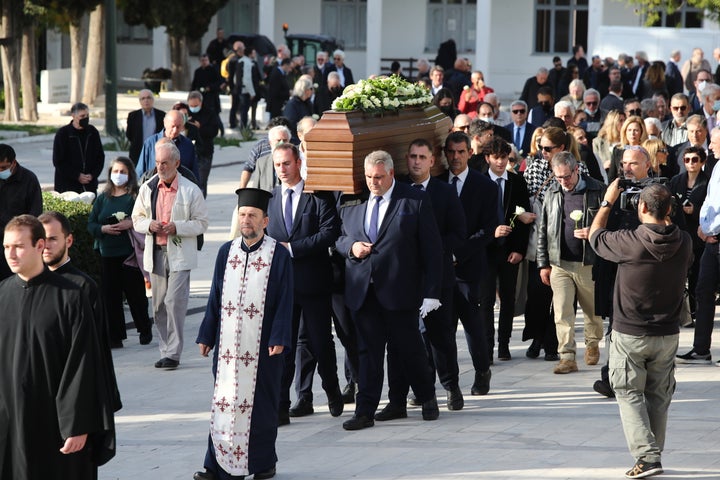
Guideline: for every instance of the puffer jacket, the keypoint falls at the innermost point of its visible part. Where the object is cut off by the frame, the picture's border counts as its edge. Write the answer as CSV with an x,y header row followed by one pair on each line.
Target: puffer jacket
x,y
550,230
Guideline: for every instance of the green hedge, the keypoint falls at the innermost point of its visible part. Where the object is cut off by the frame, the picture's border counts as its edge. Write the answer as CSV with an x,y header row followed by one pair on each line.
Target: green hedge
x,y
82,254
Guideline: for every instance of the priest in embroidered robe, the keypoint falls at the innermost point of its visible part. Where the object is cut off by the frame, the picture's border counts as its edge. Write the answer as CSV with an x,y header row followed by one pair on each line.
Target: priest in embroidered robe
x,y
247,325
54,396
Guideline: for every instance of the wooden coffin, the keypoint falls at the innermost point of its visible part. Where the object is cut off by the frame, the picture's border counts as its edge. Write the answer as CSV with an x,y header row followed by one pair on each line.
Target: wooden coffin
x,y
338,144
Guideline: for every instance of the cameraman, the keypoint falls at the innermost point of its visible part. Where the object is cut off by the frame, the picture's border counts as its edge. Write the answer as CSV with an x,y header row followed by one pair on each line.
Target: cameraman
x,y
647,300
636,168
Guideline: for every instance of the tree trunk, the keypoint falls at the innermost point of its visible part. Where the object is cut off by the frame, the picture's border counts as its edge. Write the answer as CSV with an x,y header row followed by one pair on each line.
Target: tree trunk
x,y
28,73
77,36
180,65
10,18
94,61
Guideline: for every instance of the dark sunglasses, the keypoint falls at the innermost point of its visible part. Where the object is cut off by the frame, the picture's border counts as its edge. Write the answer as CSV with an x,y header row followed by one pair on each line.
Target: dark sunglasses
x,y
637,111
548,149
691,159
591,103
681,108
518,112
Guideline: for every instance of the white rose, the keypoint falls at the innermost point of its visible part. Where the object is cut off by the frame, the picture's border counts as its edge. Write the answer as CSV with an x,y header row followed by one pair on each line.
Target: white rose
x,y
120,215
519,210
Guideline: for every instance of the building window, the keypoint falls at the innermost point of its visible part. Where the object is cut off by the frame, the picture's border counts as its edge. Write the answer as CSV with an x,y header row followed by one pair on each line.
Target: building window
x,y
683,17
132,33
451,19
346,20
560,24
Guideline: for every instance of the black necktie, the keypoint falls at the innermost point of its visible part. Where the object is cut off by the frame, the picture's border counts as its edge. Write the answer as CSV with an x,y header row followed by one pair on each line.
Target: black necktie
x,y
454,184
501,216
419,186
288,212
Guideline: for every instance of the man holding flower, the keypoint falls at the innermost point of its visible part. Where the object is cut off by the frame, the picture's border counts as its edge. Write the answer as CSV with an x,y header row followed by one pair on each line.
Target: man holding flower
x,y
565,258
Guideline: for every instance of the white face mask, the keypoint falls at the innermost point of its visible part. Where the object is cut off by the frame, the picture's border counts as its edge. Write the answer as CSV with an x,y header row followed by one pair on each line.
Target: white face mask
x,y
486,119
119,179
701,86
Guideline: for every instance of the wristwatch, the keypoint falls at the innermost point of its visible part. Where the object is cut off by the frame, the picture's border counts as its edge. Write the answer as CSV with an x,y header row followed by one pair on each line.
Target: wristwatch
x,y
605,203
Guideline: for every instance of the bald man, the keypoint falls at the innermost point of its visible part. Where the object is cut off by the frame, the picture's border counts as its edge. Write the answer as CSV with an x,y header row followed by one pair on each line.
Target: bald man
x,y
173,123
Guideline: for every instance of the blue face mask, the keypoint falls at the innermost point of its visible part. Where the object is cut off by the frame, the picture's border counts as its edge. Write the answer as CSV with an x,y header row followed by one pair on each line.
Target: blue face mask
x,y
194,109
5,174
716,106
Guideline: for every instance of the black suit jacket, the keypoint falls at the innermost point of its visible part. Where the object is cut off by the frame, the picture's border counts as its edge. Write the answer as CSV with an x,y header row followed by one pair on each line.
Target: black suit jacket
x,y
278,92
450,219
330,67
479,199
316,226
134,131
527,138
515,195
406,260
673,79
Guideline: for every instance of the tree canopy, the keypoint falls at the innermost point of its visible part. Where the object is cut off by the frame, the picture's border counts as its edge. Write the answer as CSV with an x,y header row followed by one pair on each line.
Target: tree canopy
x,y
652,9
191,20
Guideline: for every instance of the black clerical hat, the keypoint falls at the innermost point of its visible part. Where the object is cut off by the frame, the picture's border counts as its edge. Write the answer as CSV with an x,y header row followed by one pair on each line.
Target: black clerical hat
x,y
253,197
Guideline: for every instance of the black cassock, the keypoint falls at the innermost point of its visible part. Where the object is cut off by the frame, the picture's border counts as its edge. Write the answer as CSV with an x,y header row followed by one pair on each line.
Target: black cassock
x,y
53,381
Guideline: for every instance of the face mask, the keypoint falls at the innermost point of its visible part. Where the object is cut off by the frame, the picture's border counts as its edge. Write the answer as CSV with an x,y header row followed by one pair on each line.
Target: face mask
x,y
194,109
701,86
486,119
119,179
5,174
716,106
84,122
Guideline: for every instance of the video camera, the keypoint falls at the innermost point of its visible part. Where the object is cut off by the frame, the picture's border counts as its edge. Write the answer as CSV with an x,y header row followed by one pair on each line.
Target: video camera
x,y
630,196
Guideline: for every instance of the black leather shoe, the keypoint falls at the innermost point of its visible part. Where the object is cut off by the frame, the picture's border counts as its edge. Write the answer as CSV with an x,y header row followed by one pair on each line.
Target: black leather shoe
x,y
348,393
283,418
603,388
205,476
390,412
504,352
455,399
167,363
145,337
265,475
533,350
552,357
358,423
482,383
336,404
301,408
430,410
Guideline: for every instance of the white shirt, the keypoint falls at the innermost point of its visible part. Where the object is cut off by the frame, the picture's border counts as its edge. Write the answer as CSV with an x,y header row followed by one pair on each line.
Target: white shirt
x,y
461,179
383,207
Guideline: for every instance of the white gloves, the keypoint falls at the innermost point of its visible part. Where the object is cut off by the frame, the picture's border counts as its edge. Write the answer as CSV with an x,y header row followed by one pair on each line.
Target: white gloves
x,y
428,305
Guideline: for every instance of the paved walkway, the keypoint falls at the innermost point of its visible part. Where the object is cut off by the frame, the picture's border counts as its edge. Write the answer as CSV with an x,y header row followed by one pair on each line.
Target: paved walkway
x,y
533,424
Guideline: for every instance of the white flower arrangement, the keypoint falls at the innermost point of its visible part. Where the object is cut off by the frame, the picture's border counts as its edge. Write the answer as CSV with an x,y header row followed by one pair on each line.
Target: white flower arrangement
x,y
576,215
382,94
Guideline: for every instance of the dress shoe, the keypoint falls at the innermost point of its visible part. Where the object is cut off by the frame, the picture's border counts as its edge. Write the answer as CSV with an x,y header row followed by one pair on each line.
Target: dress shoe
x,y
413,401
205,476
482,383
265,475
114,344
592,355
455,399
358,422
145,337
390,412
283,418
167,363
565,366
533,350
348,393
552,357
430,410
301,408
336,404
504,352
603,388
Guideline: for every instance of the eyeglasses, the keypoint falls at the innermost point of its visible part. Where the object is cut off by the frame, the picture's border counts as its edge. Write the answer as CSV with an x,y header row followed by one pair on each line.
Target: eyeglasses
x,y
681,108
591,103
636,111
548,148
146,98
565,177
691,159
519,111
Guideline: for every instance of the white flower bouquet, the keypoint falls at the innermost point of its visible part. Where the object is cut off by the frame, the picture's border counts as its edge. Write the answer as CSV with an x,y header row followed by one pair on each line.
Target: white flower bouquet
x,y
383,94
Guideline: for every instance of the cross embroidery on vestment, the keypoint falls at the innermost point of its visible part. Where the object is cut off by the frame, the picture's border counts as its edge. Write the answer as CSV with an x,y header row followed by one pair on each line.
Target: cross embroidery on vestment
x,y
259,264
247,359
251,311
234,262
222,404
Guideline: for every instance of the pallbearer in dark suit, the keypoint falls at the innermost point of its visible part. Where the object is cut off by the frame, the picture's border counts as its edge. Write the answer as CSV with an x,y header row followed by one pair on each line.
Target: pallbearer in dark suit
x,y
307,225
479,198
393,268
507,249
438,325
